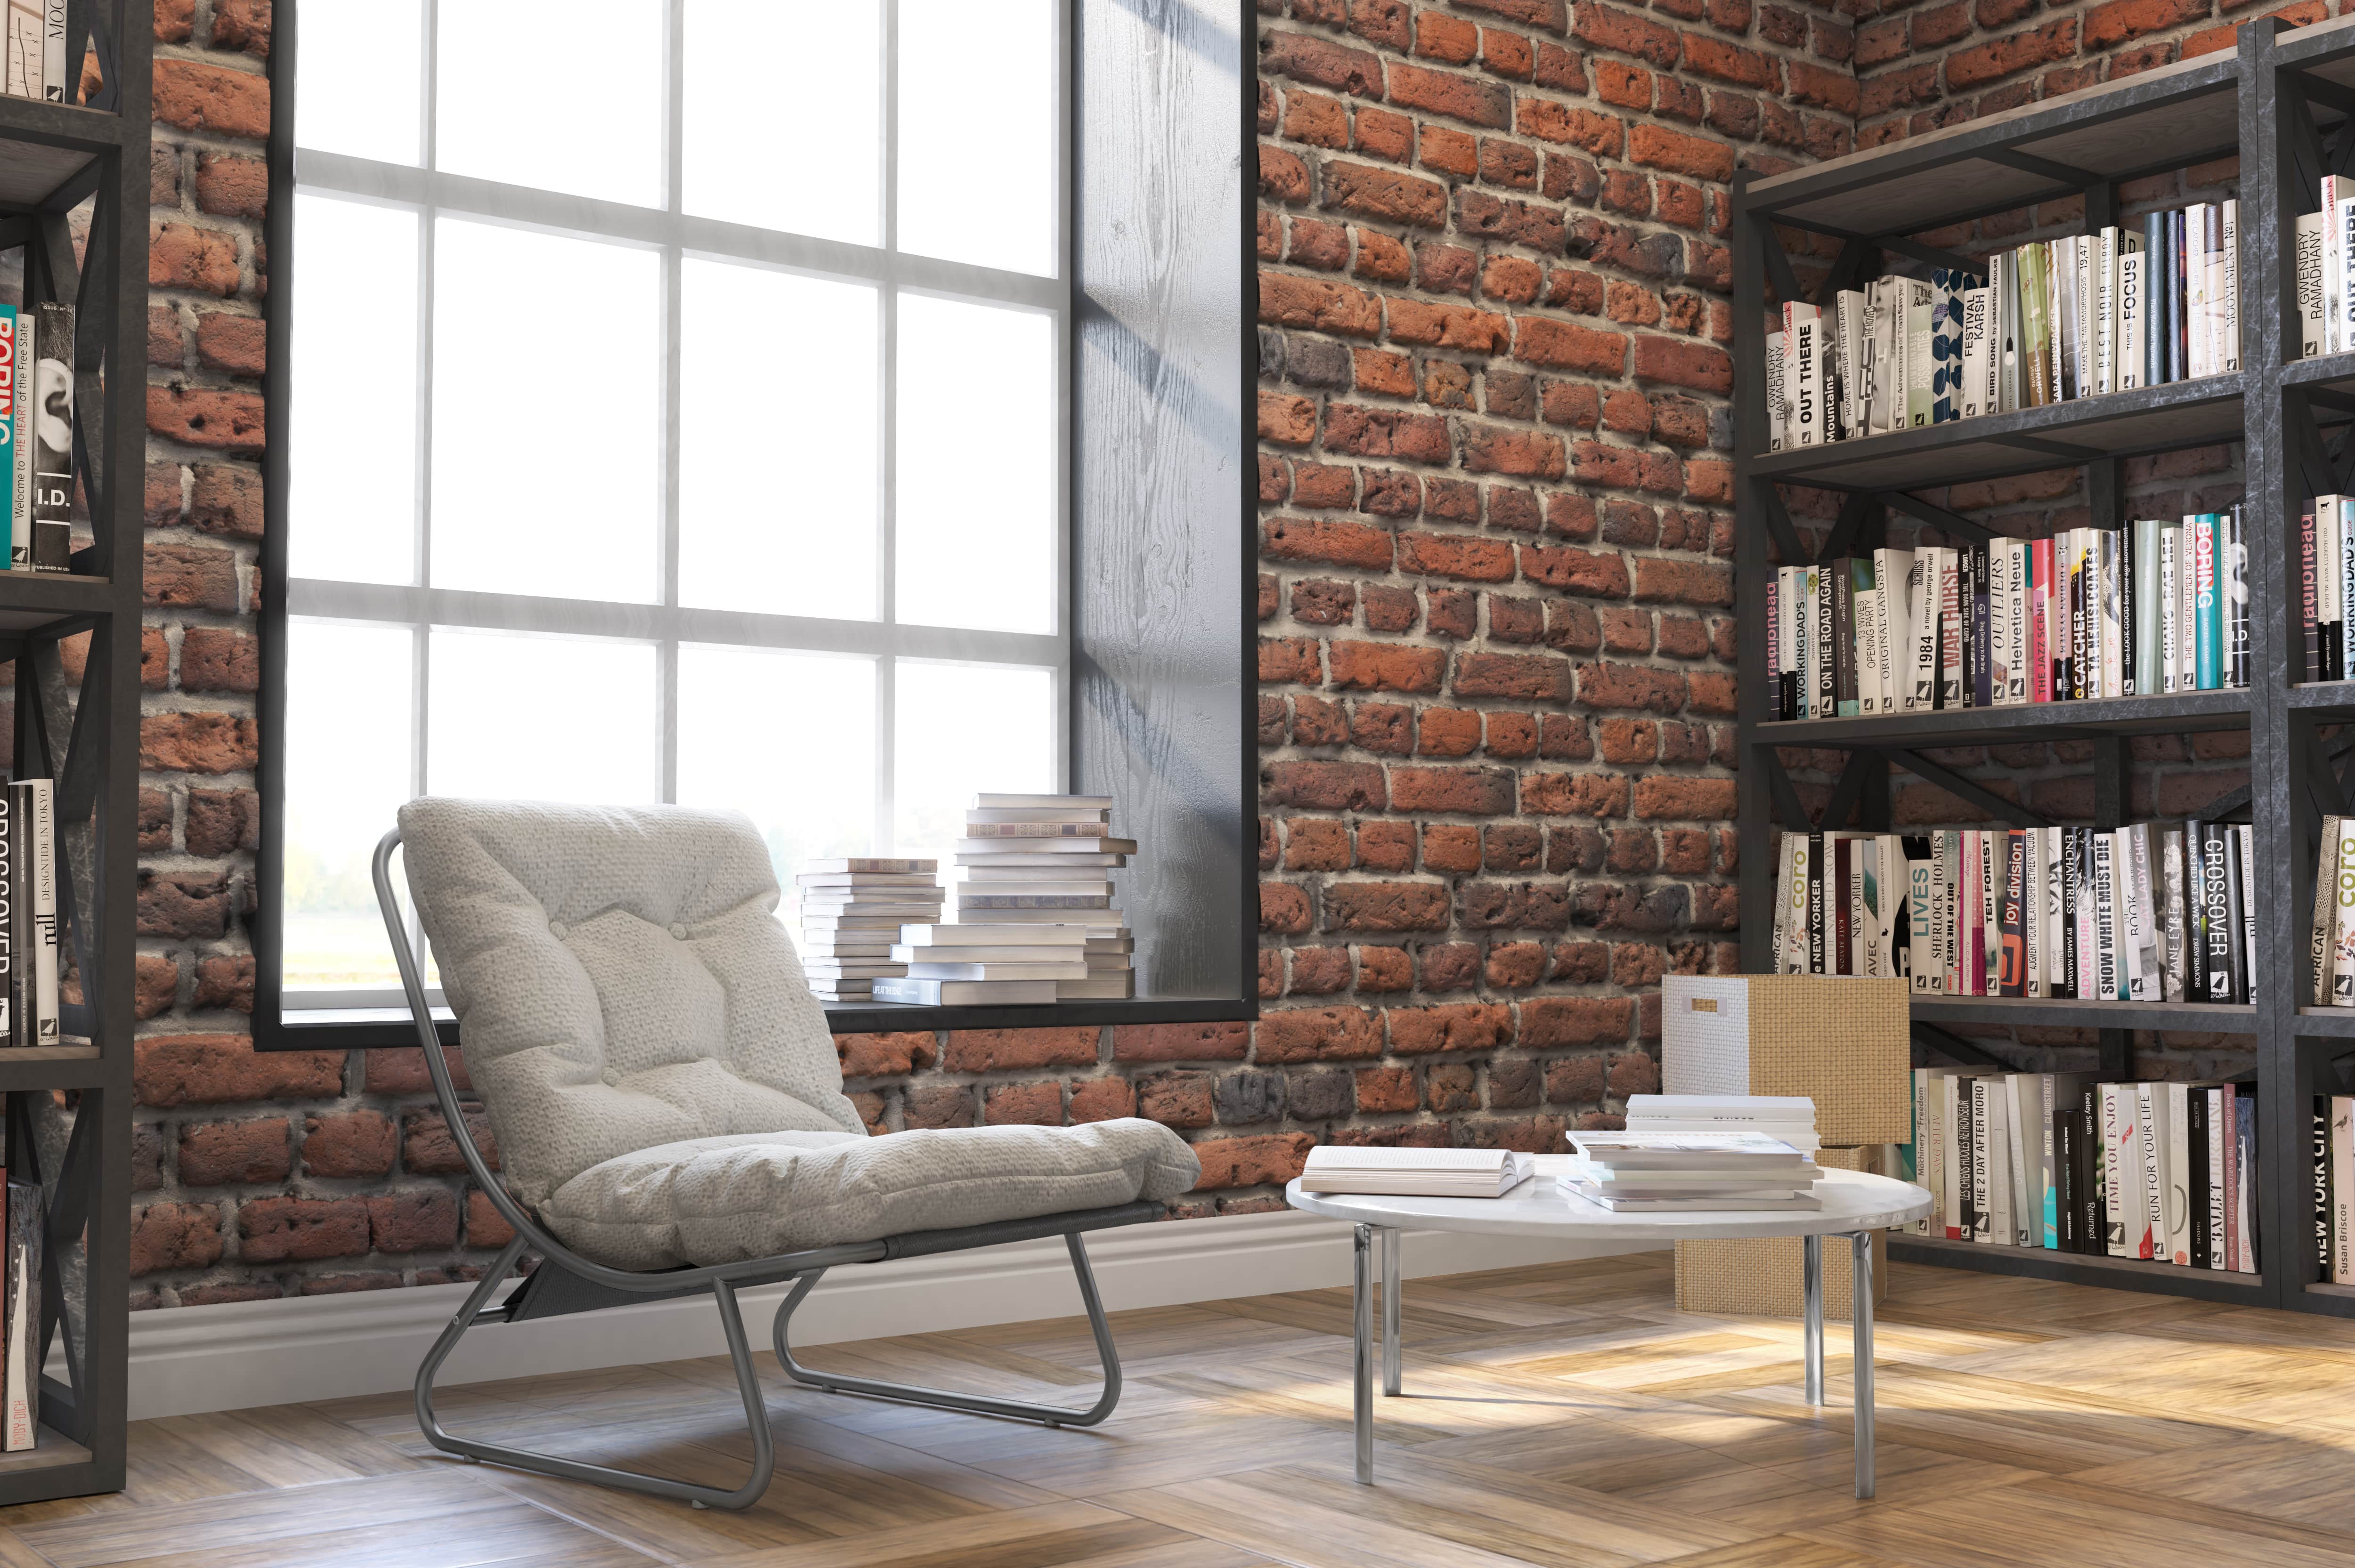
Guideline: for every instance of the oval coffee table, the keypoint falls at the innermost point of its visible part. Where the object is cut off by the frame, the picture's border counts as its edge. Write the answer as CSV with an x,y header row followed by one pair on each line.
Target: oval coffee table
x,y
1854,1205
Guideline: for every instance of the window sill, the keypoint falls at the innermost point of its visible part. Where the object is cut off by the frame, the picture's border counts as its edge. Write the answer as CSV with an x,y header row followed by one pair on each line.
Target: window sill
x,y
378,1028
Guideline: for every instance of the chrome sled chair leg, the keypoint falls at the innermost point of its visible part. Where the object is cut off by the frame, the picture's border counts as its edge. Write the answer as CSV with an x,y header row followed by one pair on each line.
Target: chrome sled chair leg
x,y
740,1352
946,1399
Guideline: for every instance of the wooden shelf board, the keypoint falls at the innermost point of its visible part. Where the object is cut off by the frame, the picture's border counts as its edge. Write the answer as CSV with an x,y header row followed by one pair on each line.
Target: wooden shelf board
x,y
2010,1011
2121,424
50,1449
2164,119
2167,713
2079,1268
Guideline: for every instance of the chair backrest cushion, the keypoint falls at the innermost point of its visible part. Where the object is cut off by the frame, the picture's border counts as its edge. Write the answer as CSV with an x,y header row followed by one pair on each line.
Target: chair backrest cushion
x,y
620,978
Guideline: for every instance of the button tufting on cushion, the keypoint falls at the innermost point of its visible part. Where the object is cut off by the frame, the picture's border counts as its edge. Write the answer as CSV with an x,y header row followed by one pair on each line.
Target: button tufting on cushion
x,y
734,1140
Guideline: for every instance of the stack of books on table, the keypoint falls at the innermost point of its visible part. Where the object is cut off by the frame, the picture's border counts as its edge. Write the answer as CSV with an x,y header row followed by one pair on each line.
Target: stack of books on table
x,y
1416,1172
1789,1118
1653,1171
852,911
1034,920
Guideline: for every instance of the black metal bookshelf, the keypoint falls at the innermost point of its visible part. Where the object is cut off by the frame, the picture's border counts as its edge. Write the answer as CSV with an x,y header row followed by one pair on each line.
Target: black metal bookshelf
x,y
69,1106
2284,102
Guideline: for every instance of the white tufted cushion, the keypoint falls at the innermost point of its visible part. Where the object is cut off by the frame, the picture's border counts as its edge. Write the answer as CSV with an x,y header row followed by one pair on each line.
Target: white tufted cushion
x,y
663,1086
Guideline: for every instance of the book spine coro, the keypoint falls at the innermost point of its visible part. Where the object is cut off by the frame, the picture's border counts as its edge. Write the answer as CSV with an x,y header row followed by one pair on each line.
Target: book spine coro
x,y
51,448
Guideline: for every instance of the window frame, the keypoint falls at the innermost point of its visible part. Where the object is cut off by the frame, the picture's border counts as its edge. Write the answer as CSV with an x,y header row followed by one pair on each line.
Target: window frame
x,y
680,237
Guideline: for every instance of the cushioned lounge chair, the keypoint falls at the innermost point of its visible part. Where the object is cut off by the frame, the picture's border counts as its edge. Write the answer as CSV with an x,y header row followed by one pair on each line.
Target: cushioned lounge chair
x,y
668,1103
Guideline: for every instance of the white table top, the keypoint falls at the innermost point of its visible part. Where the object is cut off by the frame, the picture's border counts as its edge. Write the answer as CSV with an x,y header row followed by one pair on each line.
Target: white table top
x,y
1852,1201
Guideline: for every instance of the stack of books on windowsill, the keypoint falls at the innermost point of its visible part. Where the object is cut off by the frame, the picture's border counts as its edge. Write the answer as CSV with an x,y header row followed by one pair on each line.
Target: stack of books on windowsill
x,y
1651,1172
852,912
1033,920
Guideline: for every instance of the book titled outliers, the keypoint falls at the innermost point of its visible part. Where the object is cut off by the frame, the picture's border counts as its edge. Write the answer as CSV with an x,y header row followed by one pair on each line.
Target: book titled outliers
x,y
37,418
2089,613
2150,912
2051,321
2164,1171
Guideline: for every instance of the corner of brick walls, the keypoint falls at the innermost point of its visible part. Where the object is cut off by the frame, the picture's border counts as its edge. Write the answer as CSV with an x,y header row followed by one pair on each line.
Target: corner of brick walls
x,y
1497,660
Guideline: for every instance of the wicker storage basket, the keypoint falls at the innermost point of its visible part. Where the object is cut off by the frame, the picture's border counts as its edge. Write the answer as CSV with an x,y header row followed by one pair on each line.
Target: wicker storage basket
x,y
1843,1043
1764,1278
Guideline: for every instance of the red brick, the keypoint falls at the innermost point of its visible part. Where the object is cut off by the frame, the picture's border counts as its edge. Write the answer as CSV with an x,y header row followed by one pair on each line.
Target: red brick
x,y
1252,1162
1607,27
1569,345
1023,1105
402,1072
1466,557
991,1050
1478,1026
1386,906
1101,1099
348,1143
1448,326
202,261
1180,1041
277,1230
210,1069
222,1153
1386,194
1992,61
175,1235
1332,540
206,416
1677,152
1706,55
485,1225
428,1149
1471,792
419,1220
1575,1020
1318,303
1315,1034
1686,800
231,186
1322,63
197,743
1528,676
890,1054
2121,21
1459,97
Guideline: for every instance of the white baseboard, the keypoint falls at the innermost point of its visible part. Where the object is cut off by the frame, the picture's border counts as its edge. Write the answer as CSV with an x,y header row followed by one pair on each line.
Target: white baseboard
x,y
237,1355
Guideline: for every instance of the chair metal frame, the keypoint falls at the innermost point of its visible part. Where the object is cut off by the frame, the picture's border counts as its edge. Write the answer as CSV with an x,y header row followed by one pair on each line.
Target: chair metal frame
x,y
565,1282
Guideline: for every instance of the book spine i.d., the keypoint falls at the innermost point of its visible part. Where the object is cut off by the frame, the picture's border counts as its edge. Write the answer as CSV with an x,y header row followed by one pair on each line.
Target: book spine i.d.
x,y
51,448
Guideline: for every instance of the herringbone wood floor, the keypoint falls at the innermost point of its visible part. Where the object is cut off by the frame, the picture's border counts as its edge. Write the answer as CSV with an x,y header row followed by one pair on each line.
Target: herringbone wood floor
x,y
1566,1415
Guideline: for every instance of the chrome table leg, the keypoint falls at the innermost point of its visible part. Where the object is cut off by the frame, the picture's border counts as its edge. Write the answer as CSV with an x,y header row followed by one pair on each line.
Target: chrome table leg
x,y
1812,1273
1861,1355
1363,1321
1391,1305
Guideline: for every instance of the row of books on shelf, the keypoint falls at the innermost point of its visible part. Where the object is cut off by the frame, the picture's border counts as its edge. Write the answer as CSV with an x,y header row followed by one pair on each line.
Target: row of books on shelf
x,y
37,418
2150,912
35,61
1033,920
2051,321
2058,1161
2089,613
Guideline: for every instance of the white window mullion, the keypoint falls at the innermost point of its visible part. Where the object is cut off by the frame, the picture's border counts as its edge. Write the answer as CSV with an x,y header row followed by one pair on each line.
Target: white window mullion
x,y
887,555
674,197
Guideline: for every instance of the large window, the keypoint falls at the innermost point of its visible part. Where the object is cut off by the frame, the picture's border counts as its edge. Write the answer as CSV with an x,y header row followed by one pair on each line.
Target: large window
x,y
677,411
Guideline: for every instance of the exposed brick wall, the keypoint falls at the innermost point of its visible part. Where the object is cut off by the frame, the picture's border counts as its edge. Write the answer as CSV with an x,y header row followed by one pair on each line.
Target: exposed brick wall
x,y
1496,659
